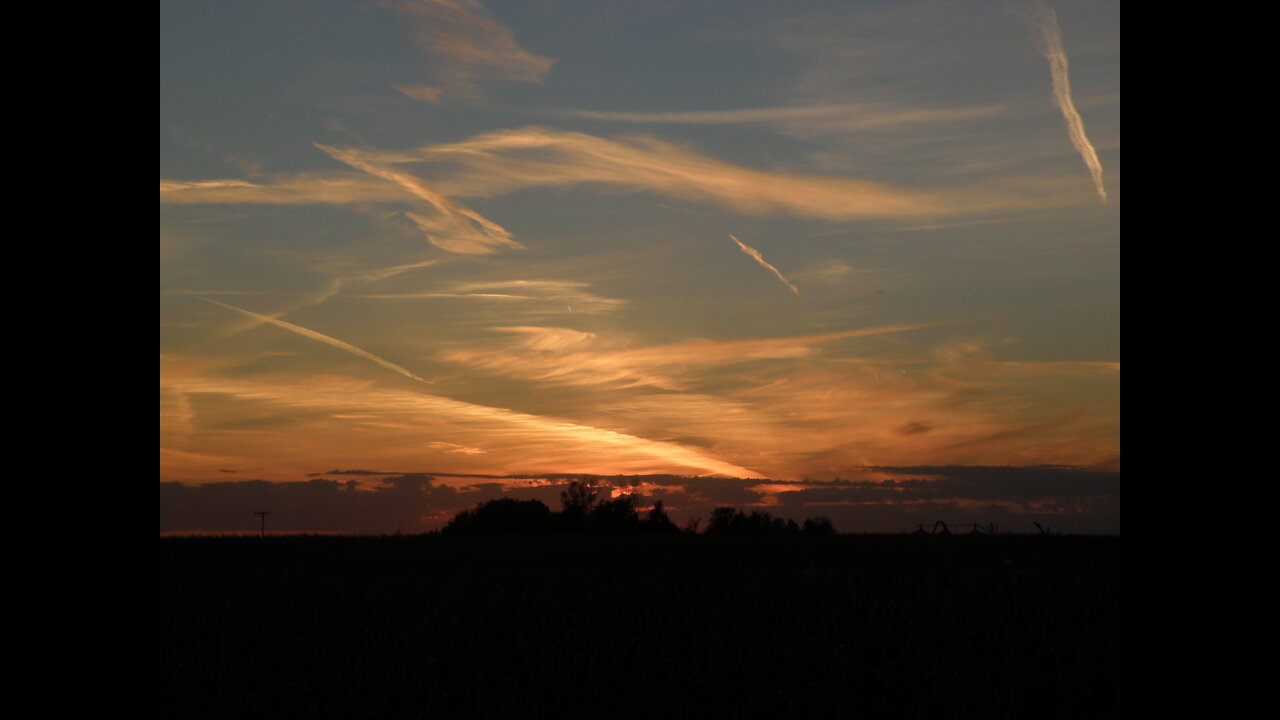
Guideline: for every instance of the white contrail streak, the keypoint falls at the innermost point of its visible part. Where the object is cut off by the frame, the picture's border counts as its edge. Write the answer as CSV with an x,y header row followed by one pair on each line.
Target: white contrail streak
x,y
755,254
322,338
1045,21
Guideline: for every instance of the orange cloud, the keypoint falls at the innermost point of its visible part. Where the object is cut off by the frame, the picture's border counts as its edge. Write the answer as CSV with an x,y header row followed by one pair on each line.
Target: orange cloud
x,y
472,44
304,189
823,416
421,93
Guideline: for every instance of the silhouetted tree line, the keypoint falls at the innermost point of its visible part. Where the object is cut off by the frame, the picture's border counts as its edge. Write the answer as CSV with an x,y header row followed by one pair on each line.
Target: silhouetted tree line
x,y
582,510
728,521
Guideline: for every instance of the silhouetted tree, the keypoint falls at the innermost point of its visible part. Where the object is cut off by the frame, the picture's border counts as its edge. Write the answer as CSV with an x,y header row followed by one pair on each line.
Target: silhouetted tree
x,y
728,521
615,516
657,520
576,504
722,520
819,526
583,511
503,515
579,496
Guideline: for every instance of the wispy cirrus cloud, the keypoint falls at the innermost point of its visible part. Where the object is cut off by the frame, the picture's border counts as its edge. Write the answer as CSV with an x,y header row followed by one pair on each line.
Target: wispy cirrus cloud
x,y
506,161
755,255
785,408
449,225
509,160
302,189
446,223
829,272
471,43
1045,21
819,413
806,120
534,296
541,354
325,415
421,93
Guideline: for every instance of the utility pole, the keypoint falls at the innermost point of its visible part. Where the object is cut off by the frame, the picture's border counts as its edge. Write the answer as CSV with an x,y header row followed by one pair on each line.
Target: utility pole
x,y
263,515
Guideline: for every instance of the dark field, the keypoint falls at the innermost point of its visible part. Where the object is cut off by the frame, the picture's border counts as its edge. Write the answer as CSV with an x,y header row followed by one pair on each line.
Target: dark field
x,y
680,626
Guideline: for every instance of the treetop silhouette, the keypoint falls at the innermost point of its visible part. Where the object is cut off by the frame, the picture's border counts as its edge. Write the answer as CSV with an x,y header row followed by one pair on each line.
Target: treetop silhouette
x,y
582,510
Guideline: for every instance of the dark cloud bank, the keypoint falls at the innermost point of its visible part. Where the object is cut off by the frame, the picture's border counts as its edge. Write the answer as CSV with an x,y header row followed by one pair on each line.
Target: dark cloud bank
x,y
1067,499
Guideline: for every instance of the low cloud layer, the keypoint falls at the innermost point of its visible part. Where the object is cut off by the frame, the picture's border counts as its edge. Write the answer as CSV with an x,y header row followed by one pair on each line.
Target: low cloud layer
x,y
1065,499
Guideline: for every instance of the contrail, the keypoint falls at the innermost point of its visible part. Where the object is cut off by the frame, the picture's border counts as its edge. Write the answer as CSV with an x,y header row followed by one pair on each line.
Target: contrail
x,y
322,338
336,285
1045,22
760,259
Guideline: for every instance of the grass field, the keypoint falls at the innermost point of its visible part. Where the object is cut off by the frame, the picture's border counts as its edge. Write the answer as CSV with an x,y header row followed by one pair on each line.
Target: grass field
x,y
668,626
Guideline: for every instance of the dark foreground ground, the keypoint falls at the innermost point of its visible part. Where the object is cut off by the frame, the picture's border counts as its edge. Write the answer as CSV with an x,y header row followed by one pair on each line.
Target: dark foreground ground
x,y
869,626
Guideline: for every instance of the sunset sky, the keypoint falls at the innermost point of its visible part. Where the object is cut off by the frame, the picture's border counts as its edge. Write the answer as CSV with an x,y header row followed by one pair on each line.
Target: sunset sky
x,y
461,249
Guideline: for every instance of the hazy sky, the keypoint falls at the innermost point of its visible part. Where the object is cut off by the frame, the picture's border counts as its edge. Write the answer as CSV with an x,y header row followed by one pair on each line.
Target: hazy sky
x,y
783,240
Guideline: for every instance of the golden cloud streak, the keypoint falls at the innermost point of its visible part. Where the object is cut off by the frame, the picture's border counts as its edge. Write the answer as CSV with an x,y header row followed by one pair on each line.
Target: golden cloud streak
x,y
452,226
304,189
509,160
512,441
